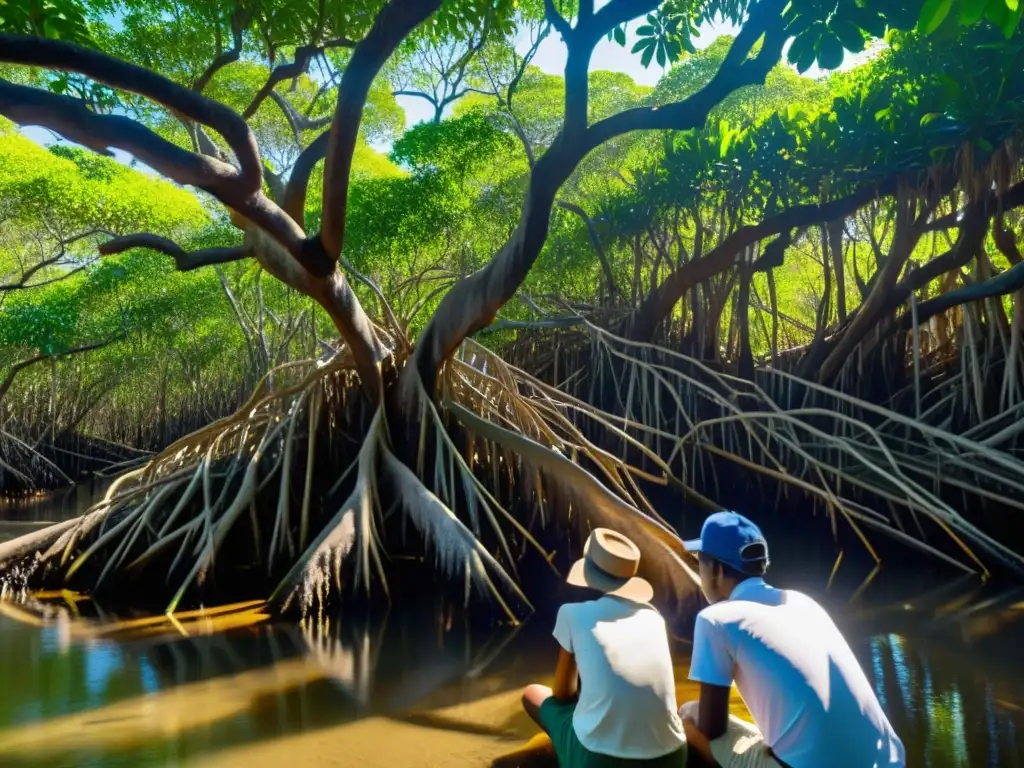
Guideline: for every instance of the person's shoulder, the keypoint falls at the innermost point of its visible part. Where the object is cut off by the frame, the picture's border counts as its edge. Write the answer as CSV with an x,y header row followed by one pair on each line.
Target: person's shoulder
x,y
716,614
798,599
578,608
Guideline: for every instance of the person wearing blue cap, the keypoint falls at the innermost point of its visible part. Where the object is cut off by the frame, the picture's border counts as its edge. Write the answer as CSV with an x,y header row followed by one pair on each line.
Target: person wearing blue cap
x,y
811,701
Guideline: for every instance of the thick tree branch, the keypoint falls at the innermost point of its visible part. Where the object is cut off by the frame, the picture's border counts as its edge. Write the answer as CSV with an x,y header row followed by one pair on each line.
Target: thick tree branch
x,y
475,300
735,72
303,55
298,181
56,54
239,21
184,260
73,120
528,57
1010,281
417,95
392,25
971,239
556,20
1006,241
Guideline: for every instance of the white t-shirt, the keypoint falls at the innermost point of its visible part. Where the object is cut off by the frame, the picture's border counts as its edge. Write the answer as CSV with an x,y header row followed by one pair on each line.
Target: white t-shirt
x,y
798,677
627,703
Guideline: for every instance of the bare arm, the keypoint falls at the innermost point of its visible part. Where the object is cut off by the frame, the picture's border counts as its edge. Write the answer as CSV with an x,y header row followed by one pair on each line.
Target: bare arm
x,y
699,746
713,717
565,686
714,710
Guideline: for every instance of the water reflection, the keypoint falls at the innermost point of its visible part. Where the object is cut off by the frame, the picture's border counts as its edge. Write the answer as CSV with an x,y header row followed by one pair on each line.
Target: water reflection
x,y
156,696
147,691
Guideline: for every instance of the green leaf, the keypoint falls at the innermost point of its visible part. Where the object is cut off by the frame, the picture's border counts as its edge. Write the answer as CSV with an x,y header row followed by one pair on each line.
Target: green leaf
x,y
929,118
849,35
1013,20
866,19
620,35
830,51
933,13
971,11
642,44
801,51
1013,5
645,60
661,53
727,138
645,31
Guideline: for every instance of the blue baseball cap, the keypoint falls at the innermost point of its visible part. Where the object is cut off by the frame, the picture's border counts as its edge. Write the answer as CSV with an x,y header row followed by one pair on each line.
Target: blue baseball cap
x,y
727,537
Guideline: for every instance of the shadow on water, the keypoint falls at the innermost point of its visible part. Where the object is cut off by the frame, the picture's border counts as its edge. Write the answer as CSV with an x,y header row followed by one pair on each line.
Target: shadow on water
x,y
421,686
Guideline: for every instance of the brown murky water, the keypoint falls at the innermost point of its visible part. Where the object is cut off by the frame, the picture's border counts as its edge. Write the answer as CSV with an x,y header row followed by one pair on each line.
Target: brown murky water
x,y
226,686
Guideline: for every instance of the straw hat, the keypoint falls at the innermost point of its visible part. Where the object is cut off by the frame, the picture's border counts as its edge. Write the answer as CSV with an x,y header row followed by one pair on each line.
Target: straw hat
x,y
609,564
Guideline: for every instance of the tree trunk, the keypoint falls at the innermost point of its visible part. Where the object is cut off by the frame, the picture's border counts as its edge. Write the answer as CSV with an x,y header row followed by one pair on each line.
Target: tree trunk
x,y
835,243
746,355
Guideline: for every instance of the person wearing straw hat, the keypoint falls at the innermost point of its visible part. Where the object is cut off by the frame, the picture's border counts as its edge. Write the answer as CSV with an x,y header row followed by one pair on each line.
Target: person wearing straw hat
x,y
798,677
613,701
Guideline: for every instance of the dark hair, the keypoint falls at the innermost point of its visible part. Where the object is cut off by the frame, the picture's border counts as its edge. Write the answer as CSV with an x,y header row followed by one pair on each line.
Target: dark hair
x,y
756,566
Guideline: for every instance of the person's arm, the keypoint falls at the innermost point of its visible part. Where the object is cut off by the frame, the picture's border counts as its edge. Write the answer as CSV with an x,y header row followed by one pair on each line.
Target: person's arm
x,y
700,755
565,687
711,666
713,715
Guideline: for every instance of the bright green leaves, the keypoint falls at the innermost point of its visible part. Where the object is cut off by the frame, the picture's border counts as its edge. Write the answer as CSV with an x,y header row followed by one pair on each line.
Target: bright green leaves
x,y
824,42
933,13
456,146
1004,14
59,19
67,192
663,37
971,11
